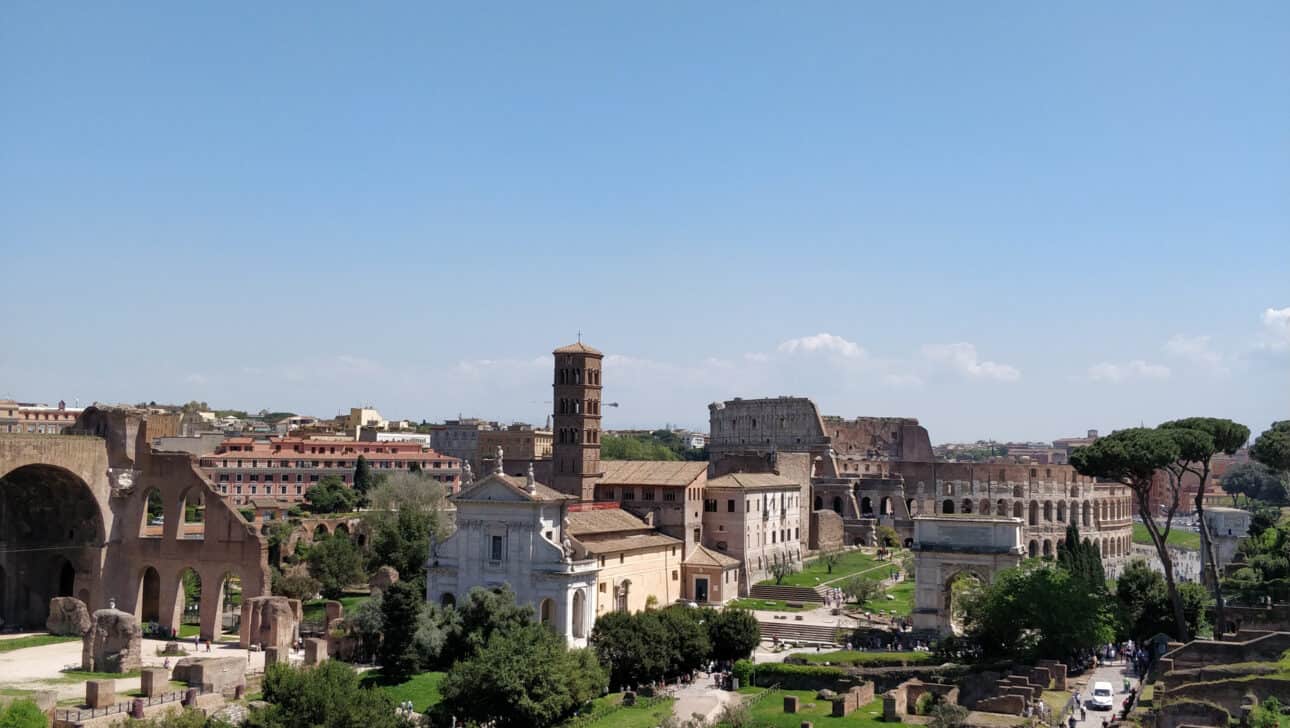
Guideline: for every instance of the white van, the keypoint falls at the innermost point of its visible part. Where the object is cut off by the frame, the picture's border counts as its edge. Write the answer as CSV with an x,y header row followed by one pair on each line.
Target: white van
x,y
1103,696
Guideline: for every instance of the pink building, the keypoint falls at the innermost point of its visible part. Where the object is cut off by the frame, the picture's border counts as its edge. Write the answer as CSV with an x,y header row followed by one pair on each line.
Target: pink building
x,y
287,467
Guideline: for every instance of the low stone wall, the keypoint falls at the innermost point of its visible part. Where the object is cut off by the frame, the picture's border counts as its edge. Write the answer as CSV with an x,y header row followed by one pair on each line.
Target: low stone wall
x,y
847,702
1228,694
1199,653
1191,713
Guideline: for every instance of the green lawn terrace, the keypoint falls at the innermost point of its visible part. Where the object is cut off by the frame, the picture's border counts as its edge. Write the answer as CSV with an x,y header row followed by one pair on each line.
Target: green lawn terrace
x,y
814,572
1189,540
767,708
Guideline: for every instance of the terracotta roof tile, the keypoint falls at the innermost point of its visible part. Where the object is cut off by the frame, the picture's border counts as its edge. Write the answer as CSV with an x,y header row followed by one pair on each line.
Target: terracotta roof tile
x,y
704,556
628,543
578,348
751,480
651,472
605,520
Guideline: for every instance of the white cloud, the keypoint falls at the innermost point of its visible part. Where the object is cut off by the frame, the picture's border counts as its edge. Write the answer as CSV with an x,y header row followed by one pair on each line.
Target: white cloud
x,y
1136,369
1196,350
962,357
827,343
1276,328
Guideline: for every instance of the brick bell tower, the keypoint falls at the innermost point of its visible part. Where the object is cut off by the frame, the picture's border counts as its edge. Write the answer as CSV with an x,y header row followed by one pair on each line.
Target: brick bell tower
x,y
576,459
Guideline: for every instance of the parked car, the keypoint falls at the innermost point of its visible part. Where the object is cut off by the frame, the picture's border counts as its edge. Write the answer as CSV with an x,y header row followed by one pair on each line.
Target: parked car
x,y
1103,696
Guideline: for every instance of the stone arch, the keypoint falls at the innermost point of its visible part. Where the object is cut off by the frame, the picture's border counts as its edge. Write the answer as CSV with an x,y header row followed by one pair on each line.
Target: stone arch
x,y
911,507
1088,514
1018,491
546,611
320,532
147,607
1061,511
947,506
1048,547
53,531
1048,511
579,614
967,506
152,518
187,599
866,506
956,584
447,599
229,603
192,513
885,508
1018,510
984,507
1034,513
341,530
1001,508
819,503
837,504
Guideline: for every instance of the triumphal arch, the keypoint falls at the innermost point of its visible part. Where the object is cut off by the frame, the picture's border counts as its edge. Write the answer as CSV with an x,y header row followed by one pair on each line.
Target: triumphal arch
x,y
952,548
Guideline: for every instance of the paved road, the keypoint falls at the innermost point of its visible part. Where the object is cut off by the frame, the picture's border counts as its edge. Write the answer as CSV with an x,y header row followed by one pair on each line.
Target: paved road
x,y
1113,674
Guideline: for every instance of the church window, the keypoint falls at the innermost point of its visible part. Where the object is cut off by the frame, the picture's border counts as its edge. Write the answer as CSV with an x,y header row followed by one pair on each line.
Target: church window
x,y
496,552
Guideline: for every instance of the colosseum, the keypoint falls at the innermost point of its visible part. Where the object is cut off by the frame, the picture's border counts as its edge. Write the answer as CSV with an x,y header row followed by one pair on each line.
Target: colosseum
x,y
876,471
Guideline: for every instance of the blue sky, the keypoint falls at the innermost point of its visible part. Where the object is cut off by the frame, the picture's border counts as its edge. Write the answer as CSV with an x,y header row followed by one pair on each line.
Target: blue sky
x,y
1008,220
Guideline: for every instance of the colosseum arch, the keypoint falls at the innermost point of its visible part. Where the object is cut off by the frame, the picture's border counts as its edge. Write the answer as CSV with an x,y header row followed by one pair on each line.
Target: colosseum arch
x,y
1034,513
967,506
947,506
950,549
1048,511
1001,507
1088,514
1061,511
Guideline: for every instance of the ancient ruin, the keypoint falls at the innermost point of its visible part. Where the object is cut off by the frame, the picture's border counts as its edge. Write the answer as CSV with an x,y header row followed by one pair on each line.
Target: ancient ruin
x,y
949,548
270,622
98,515
113,643
67,616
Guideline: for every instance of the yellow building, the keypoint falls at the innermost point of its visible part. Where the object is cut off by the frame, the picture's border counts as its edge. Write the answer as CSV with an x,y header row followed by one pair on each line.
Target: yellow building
x,y
635,561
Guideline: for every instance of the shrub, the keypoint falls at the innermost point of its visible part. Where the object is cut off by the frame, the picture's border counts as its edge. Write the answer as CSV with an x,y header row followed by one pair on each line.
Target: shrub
x,y
790,677
22,714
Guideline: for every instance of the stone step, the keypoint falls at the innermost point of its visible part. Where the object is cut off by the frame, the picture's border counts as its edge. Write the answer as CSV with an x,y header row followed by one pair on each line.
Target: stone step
x,y
786,593
790,631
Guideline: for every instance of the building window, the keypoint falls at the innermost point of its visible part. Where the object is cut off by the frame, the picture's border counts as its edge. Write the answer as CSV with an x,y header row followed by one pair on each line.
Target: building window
x,y
709,505
669,495
629,494
730,506
495,553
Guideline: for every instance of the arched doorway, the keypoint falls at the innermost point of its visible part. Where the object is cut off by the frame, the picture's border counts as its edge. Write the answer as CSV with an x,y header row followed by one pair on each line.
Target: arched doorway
x,y
53,530
546,611
230,604
448,599
819,503
967,506
188,603
1001,507
884,507
1033,550
320,532
866,506
192,506
960,589
152,521
837,504
947,506
1018,510
1034,513
148,606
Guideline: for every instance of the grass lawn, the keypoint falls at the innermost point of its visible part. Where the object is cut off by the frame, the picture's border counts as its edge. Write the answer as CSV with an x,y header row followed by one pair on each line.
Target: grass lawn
x,y
422,690
75,676
1179,539
1057,700
188,630
35,640
768,710
814,572
855,657
316,611
901,605
604,715
772,605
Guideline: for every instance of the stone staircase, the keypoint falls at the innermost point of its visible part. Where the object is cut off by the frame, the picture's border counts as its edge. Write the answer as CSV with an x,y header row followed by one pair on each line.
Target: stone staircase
x,y
791,631
786,593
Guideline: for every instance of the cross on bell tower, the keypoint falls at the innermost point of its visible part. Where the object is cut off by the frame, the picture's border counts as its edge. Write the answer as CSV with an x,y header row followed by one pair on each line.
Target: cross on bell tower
x,y
576,404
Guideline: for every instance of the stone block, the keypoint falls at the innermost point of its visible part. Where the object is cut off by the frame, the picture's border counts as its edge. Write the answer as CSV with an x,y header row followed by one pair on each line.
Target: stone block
x,y
807,724
334,611
136,708
891,708
154,681
113,643
268,622
382,579
68,616
790,703
214,674
315,650
100,693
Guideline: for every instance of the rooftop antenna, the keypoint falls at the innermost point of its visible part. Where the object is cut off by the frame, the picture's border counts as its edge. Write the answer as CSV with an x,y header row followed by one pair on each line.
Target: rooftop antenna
x,y
579,336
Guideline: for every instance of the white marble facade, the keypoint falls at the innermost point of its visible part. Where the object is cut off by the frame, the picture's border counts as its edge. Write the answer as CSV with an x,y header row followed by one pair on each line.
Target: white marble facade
x,y
510,530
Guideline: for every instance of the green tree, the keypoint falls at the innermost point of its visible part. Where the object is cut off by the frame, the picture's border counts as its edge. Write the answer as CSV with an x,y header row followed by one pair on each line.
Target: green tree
x,y
860,590
295,585
367,624
1132,457
830,559
330,495
483,612
279,535
1037,610
405,514
1255,481
632,647
1144,606
1199,439
687,639
947,715
401,611
888,537
22,714
324,696
1272,448
1081,558
336,563
363,478
522,677
733,634
782,568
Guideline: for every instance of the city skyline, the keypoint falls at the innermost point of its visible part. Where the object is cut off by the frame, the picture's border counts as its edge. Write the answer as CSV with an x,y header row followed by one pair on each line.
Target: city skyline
x,y
1009,222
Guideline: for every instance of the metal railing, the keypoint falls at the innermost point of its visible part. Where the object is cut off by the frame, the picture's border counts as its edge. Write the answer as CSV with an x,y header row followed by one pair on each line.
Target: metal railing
x,y
77,715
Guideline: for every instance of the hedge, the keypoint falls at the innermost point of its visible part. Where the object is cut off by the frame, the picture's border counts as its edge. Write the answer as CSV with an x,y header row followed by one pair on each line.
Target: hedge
x,y
790,677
